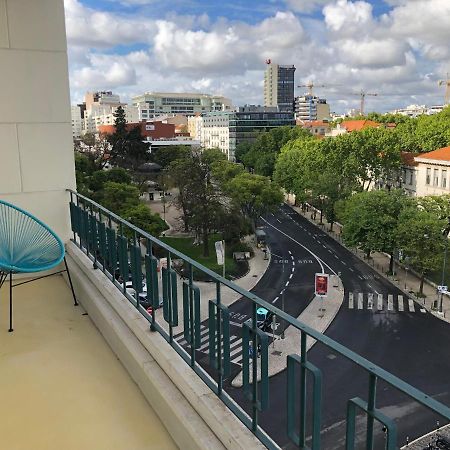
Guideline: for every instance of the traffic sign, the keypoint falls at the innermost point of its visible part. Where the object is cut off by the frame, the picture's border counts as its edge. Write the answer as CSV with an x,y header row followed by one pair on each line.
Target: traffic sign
x,y
442,289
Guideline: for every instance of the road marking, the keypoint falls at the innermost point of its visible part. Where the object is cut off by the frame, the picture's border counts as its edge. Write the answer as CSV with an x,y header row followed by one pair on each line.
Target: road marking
x,y
336,256
422,310
411,305
293,270
370,300
275,299
281,292
278,220
380,302
351,270
371,287
324,246
289,252
400,303
360,300
291,275
350,300
287,283
390,302
360,277
344,263
319,261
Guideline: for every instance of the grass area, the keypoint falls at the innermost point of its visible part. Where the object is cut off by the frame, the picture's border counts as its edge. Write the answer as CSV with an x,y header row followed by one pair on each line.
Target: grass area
x,y
186,246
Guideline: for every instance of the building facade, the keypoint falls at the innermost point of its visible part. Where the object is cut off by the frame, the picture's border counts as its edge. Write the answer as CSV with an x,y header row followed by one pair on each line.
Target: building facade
x,y
433,170
310,108
279,87
149,130
229,129
153,104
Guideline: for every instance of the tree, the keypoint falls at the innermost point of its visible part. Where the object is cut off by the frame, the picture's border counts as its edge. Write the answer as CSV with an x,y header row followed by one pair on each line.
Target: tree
x,y
254,195
128,150
419,236
143,218
371,220
164,156
118,197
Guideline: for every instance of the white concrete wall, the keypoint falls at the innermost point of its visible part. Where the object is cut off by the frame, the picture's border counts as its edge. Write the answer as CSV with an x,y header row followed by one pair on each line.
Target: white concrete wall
x,y
36,150
423,188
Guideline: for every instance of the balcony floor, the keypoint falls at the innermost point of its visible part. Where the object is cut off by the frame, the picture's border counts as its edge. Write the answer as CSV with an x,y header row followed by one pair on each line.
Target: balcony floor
x,y
61,387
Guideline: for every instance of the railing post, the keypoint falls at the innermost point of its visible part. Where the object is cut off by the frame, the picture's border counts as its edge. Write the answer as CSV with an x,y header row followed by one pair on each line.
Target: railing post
x,y
219,340
371,409
302,429
191,315
254,369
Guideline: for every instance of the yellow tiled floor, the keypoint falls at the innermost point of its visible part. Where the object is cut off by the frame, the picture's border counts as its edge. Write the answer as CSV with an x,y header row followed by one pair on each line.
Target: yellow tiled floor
x,y
61,387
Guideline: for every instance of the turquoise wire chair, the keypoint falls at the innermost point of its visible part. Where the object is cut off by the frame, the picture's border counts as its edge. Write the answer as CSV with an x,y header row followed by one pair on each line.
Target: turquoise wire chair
x,y
27,245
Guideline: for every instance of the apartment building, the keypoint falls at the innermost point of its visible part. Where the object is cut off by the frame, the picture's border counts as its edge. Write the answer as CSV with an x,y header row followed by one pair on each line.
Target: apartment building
x,y
433,171
279,87
153,104
310,108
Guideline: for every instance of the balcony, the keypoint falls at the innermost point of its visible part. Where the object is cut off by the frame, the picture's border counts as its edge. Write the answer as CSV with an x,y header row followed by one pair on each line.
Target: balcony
x,y
61,387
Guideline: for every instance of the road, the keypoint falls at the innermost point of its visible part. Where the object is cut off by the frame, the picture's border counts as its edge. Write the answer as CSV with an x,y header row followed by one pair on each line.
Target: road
x,y
392,333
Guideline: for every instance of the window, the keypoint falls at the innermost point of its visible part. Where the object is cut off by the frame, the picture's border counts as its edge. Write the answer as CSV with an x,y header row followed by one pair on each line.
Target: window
x,y
411,175
436,177
444,179
428,180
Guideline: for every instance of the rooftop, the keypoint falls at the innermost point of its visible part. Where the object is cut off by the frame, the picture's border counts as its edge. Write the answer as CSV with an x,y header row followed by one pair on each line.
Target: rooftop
x,y
357,125
61,385
442,154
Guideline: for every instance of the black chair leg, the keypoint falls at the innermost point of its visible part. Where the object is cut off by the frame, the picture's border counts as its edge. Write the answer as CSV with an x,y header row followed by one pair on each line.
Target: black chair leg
x,y
70,282
10,303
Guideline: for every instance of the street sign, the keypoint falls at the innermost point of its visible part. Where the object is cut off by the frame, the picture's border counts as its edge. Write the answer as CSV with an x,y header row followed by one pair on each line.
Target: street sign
x,y
220,252
442,289
321,284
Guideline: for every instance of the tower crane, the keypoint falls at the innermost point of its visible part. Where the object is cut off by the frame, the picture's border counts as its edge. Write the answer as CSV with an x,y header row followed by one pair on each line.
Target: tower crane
x,y
363,95
446,83
310,85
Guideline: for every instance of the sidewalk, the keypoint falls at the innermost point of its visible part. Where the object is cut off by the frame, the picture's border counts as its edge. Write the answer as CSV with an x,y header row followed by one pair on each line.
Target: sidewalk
x,y
404,279
422,442
318,315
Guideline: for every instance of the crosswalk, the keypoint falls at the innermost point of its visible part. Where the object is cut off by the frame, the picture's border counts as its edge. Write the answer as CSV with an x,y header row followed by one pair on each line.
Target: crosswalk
x,y
235,344
391,302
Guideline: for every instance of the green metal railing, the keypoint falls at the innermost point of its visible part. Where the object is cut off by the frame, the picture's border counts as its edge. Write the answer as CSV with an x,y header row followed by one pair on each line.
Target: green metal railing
x,y
124,252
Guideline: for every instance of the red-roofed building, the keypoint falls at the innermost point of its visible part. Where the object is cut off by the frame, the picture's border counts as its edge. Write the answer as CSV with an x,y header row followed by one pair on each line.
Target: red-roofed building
x,y
433,169
152,130
358,125
316,127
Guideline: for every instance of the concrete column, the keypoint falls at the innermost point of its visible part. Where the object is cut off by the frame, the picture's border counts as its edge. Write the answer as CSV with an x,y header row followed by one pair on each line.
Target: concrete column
x,y
36,150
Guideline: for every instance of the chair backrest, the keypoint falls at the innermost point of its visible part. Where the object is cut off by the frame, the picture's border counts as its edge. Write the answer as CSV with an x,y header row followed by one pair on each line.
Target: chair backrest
x,y
26,244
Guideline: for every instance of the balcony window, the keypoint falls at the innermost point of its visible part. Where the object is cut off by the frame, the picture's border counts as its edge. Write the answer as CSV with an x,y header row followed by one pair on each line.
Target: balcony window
x,y
436,177
428,179
444,179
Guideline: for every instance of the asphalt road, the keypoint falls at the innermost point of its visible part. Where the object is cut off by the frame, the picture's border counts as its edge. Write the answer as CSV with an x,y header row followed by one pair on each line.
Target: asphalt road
x,y
407,342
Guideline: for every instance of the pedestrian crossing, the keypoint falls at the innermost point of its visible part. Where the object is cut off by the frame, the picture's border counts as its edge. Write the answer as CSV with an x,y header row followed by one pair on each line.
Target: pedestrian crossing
x,y
235,344
391,302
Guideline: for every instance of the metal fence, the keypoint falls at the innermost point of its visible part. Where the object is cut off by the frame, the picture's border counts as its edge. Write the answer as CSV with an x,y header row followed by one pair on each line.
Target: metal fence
x,y
131,258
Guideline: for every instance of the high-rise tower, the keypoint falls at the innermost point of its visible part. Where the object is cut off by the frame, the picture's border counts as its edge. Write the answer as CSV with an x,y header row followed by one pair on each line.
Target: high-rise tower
x,y
279,86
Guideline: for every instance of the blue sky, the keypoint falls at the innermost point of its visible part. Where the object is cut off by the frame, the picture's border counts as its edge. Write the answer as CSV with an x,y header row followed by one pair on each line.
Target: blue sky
x,y
398,48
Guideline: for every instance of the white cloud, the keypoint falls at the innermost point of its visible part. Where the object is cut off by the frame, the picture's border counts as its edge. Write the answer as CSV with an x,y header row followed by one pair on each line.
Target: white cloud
x,y
398,55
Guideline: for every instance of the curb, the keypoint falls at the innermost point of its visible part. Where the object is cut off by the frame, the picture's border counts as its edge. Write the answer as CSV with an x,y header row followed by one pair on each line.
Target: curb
x,y
407,293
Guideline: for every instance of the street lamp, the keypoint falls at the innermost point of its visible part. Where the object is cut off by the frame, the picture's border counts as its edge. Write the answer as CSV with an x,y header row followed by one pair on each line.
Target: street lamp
x,y
282,292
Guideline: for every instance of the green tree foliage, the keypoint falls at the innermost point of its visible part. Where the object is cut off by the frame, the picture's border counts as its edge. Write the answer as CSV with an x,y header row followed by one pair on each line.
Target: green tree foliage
x,y
127,147
117,197
261,154
143,218
164,156
254,194
420,237
388,118
371,220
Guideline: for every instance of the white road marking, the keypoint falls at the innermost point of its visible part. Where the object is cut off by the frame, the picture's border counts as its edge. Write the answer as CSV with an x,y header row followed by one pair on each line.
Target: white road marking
x,y
411,305
351,270
370,300
390,302
344,263
293,270
422,310
278,220
336,256
275,299
360,300
380,302
319,261
371,287
281,292
350,300
287,283
324,246
400,303
289,252
291,275
360,277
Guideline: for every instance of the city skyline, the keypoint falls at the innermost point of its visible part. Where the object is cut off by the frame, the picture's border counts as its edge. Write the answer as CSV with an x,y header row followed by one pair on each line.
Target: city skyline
x,y
396,48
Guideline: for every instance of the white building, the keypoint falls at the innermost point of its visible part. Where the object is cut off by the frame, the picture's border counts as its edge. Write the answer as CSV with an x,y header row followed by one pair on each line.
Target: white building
x,y
418,110
77,122
309,108
215,133
433,170
195,126
153,104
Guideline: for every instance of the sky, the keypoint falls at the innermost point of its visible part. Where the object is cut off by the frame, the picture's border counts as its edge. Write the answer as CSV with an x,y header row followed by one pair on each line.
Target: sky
x,y
398,49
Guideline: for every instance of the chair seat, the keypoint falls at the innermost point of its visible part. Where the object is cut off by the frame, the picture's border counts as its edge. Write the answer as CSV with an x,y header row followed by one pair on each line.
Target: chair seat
x,y
27,245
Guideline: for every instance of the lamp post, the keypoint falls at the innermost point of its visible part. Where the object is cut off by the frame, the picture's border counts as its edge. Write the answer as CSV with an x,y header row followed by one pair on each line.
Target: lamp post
x,y
282,292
